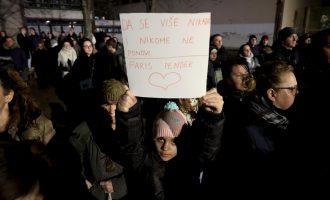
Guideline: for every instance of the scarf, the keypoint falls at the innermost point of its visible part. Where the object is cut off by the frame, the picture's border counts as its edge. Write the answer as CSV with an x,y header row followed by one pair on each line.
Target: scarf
x,y
67,54
263,110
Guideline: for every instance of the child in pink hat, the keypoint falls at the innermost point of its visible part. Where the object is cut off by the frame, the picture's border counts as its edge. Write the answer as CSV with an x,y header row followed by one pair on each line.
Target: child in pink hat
x,y
179,151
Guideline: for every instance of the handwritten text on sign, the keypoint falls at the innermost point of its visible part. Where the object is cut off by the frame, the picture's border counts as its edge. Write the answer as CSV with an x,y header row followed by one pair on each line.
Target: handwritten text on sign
x,y
166,53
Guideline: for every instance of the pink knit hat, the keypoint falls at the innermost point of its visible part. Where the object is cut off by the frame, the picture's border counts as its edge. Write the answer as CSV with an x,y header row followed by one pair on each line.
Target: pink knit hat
x,y
169,122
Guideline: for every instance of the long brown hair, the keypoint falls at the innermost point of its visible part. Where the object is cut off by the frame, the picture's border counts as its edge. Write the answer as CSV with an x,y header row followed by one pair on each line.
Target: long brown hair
x,y
23,109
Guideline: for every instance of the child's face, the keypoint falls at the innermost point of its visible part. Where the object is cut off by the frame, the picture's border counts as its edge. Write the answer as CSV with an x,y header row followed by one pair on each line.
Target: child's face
x,y
166,148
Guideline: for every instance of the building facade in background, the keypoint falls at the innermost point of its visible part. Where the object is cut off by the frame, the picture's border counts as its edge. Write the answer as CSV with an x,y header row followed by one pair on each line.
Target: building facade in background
x,y
231,18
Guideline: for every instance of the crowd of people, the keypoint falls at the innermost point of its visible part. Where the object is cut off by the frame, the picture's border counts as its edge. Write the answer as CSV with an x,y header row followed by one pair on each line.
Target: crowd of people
x,y
258,131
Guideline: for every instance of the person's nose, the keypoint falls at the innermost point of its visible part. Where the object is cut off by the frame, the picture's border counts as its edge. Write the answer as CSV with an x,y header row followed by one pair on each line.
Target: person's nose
x,y
166,146
113,109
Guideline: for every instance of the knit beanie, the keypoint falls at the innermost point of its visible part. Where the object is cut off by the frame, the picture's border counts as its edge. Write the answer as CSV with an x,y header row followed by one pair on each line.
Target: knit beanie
x,y
213,49
285,33
169,122
112,90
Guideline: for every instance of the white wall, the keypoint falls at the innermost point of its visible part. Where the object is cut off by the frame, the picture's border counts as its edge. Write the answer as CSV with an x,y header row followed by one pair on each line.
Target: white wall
x,y
234,35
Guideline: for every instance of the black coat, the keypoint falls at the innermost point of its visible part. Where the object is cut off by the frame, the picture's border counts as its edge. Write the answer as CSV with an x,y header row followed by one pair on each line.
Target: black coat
x,y
17,56
151,178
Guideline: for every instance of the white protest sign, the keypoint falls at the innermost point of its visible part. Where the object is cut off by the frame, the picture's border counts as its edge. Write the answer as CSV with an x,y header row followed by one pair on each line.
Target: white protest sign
x,y
166,53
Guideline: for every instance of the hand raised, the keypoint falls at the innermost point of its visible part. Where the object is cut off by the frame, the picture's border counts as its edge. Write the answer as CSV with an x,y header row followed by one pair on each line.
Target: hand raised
x,y
213,101
126,101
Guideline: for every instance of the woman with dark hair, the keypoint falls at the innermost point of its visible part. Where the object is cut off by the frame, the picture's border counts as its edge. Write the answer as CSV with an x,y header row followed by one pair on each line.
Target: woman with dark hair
x,y
20,117
246,56
34,38
40,62
236,87
76,90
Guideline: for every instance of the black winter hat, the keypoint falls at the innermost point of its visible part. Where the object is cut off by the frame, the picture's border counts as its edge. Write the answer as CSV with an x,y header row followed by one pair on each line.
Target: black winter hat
x,y
285,33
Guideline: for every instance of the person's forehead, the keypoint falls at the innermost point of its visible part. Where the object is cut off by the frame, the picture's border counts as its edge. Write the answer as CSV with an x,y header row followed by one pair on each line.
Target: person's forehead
x,y
110,103
293,35
167,138
218,37
246,47
239,69
288,78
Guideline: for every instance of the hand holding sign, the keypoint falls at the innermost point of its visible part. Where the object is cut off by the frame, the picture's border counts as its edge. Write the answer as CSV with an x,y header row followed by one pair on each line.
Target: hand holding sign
x,y
166,54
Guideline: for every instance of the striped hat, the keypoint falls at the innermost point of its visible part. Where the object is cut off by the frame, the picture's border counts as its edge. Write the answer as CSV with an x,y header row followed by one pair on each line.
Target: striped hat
x,y
169,123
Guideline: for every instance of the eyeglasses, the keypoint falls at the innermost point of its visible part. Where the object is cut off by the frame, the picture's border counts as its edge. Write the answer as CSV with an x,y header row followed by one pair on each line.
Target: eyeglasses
x,y
294,89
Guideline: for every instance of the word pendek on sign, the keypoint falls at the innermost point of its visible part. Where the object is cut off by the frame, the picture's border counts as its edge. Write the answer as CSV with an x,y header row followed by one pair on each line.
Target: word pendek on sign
x,y
166,53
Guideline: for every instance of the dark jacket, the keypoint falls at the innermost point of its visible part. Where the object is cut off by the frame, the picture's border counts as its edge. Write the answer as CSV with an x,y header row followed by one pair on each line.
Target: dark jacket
x,y
151,178
109,66
25,44
268,156
96,165
17,56
211,83
77,89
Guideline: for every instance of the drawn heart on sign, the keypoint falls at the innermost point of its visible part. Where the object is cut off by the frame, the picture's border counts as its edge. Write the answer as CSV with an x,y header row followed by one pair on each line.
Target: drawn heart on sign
x,y
164,81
